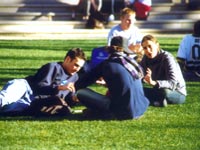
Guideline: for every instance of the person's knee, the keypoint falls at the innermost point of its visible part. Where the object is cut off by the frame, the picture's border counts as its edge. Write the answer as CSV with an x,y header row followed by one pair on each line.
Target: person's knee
x,y
174,97
82,93
179,100
93,100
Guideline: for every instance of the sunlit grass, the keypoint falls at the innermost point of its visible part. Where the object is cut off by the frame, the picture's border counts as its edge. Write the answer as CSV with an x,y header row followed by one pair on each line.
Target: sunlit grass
x,y
175,127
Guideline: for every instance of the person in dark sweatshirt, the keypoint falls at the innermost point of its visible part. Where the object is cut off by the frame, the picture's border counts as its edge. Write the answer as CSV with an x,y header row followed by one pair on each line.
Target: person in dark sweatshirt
x,y
55,78
162,73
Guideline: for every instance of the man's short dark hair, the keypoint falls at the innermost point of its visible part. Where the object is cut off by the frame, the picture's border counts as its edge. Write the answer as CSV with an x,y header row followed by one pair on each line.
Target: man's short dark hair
x,y
76,52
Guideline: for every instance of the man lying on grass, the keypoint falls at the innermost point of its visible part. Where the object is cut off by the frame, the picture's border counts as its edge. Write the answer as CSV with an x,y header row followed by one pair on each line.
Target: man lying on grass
x,y
52,79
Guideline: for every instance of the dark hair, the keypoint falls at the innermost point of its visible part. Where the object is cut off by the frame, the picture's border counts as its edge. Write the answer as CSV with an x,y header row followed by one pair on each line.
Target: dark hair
x,y
114,49
76,52
116,45
117,41
196,29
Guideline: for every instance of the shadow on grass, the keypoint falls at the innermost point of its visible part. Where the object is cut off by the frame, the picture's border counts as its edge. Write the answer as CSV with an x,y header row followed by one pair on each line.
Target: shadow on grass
x,y
29,58
71,117
17,71
57,45
24,117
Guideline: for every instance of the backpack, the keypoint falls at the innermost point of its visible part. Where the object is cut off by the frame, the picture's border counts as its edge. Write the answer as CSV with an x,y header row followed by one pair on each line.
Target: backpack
x,y
98,55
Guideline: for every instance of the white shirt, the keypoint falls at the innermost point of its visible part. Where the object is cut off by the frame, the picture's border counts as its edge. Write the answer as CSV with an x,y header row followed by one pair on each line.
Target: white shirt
x,y
189,49
130,36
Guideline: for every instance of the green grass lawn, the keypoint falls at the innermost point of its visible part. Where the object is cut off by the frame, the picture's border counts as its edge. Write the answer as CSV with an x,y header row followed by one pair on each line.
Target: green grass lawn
x,y
176,127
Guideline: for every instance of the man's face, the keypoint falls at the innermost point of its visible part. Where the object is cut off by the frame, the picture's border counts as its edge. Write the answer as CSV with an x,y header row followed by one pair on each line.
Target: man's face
x,y
72,66
127,21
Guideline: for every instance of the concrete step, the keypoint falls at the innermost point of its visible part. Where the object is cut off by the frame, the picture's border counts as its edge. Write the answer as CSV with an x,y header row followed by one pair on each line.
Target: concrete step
x,y
155,15
69,2
63,12
85,34
34,26
77,28
14,8
166,7
161,25
51,19
60,7
162,1
60,16
39,16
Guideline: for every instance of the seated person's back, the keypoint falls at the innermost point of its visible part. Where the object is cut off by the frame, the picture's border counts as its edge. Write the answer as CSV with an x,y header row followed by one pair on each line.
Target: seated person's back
x,y
188,54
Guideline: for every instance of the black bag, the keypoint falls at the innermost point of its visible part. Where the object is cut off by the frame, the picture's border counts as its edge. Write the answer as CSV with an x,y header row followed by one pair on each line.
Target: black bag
x,y
49,106
96,20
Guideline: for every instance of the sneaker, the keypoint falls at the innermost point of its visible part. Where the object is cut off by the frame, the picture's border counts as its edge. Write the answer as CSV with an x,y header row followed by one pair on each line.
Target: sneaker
x,y
111,18
85,18
164,103
160,104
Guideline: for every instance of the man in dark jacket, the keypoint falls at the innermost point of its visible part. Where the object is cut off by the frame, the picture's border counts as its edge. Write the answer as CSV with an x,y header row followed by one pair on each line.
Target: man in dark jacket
x,y
56,78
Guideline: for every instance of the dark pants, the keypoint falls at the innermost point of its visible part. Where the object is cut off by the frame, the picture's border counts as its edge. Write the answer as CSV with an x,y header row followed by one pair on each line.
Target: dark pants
x,y
191,76
126,93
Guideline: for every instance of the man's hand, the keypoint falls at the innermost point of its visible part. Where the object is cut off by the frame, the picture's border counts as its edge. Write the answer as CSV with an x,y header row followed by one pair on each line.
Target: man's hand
x,y
101,81
69,86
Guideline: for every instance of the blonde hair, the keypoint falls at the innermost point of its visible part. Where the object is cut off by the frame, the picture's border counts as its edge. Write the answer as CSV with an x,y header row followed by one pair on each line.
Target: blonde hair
x,y
126,11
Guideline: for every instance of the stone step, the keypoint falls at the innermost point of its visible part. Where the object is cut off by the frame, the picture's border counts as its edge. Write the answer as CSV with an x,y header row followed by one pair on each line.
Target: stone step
x,y
13,8
166,7
51,19
71,2
28,16
155,15
162,24
63,26
85,34
61,12
162,1
60,7
39,16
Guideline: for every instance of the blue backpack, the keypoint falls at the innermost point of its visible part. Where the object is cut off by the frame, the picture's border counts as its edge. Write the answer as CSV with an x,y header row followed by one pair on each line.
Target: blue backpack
x,y
99,54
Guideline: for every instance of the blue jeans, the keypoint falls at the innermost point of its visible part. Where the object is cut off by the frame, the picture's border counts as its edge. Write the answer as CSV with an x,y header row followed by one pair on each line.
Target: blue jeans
x,y
191,76
172,97
16,95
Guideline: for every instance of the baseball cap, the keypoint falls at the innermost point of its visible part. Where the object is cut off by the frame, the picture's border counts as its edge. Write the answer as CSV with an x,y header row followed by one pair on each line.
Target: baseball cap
x,y
116,45
117,41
